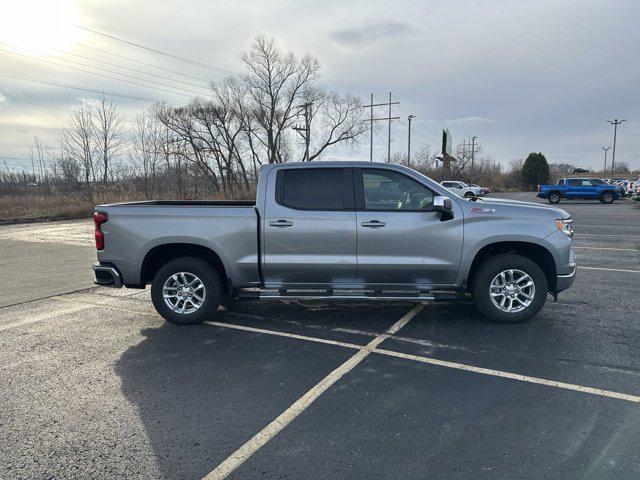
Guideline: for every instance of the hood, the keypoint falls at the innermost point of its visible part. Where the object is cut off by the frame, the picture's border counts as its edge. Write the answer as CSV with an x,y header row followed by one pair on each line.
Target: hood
x,y
498,202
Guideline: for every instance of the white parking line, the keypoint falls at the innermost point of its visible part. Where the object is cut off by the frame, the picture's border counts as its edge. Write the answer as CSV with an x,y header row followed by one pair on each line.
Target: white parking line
x,y
606,226
581,267
45,316
284,334
605,235
513,376
608,248
267,433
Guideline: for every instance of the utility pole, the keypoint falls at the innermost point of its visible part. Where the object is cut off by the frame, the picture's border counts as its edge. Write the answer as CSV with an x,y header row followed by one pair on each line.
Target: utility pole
x,y
305,132
388,118
473,150
615,124
409,141
606,149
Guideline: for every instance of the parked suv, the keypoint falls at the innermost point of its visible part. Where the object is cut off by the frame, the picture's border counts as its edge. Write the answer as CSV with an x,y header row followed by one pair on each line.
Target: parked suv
x,y
462,189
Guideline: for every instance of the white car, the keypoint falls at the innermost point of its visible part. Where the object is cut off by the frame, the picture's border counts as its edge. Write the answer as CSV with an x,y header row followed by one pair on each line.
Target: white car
x,y
461,189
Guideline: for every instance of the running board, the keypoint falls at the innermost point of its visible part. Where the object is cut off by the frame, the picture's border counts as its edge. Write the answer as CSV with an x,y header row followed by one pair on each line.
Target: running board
x,y
415,296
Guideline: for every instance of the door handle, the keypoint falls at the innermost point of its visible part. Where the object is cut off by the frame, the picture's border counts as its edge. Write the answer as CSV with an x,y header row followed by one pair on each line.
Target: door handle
x,y
281,223
373,224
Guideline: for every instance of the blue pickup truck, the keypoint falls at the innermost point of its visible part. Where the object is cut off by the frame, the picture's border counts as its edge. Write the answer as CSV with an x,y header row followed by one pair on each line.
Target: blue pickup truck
x,y
582,188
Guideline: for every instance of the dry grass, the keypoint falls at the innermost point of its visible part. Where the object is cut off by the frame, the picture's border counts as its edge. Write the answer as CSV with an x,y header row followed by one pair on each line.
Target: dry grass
x,y
32,206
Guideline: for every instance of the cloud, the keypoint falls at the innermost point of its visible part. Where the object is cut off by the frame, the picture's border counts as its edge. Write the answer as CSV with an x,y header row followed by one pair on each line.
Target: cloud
x,y
371,31
2,98
465,120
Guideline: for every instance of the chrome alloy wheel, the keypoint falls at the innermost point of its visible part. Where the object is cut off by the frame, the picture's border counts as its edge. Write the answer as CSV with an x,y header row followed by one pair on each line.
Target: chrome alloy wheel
x,y
183,292
512,291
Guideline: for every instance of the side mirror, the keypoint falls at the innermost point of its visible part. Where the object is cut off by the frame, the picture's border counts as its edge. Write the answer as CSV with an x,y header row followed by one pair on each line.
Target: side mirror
x,y
442,205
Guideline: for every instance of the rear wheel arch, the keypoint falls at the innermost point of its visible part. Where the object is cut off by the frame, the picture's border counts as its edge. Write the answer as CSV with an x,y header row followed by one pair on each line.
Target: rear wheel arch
x,y
537,253
162,254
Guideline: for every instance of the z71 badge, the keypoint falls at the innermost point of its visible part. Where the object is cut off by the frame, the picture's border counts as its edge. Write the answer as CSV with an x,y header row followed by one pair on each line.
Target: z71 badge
x,y
482,210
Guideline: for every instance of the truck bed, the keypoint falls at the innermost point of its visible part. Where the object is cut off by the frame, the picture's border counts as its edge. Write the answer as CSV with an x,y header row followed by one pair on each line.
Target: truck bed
x,y
136,228
188,203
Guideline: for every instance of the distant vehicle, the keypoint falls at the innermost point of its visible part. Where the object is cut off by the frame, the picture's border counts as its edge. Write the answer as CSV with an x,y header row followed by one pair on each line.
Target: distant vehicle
x,y
484,190
580,170
584,188
462,189
337,231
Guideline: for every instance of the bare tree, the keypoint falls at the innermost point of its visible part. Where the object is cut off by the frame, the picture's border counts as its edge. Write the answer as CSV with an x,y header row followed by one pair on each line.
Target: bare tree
x,y
78,140
108,132
147,149
277,84
340,120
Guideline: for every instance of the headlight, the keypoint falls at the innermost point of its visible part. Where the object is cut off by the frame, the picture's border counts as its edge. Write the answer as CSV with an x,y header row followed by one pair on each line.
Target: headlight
x,y
565,225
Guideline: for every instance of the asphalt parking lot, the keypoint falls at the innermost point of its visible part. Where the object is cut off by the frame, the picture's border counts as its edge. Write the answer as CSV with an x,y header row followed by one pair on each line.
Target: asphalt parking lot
x,y
96,385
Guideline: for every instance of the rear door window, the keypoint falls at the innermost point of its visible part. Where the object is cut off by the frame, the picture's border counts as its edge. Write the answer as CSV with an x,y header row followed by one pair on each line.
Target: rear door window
x,y
315,188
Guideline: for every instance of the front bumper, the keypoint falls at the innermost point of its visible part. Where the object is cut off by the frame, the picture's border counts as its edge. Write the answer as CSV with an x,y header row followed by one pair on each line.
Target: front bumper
x,y
564,282
107,275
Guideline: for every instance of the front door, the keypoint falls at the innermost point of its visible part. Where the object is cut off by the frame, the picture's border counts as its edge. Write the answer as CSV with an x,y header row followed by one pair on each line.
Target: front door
x,y
310,228
400,244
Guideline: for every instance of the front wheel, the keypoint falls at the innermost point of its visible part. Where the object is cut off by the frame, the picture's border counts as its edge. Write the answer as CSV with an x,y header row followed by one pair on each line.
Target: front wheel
x,y
186,291
554,197
607,197
469,195
509,288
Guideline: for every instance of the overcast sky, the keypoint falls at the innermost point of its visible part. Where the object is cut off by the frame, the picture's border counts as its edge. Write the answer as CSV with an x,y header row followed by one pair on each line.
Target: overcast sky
x,y
520,75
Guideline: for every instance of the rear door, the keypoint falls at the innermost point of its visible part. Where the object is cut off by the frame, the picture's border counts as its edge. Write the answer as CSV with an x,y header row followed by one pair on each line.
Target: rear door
x,y
574,188
310,227
399,244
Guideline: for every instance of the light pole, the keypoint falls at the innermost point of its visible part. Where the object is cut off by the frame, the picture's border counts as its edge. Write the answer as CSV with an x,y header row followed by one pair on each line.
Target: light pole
x,y
615,122
473,150
606,149
409,141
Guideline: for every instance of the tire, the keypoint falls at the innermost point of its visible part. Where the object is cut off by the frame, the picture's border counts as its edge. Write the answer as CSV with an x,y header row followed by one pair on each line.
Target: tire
x,y
554,197
607,197
173,275
468,195
490,270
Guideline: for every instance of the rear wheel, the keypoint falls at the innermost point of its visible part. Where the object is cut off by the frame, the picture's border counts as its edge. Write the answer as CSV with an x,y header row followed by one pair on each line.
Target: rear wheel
x,y
554,197
509,288
186,291
607,197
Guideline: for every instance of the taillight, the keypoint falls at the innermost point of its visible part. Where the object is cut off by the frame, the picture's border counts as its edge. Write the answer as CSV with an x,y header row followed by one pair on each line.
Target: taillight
x,y
98,219
539,188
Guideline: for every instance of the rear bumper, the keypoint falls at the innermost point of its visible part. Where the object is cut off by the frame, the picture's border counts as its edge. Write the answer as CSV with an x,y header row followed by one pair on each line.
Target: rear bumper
x,y
106,275
563,282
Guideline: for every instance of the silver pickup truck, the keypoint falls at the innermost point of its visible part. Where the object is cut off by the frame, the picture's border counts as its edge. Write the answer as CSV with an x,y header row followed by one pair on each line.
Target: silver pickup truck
x,y
337,230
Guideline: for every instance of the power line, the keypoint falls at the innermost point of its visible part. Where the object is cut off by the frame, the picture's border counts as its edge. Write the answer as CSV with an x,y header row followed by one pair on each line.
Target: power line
x,y
84,89
4,157
170,55
124,67
107,76
417,120
129,59
34,103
